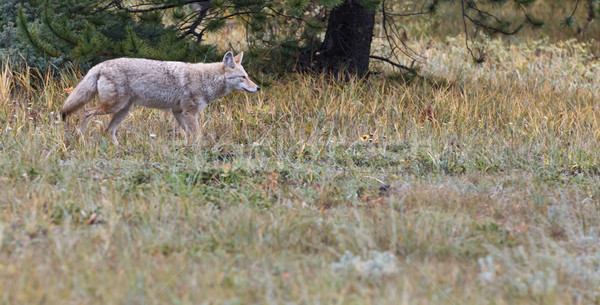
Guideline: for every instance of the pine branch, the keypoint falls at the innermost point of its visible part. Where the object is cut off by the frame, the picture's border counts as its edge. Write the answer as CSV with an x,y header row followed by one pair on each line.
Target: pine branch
x,y
42,46
291,17
491,28
390,29
64,35
532,21
192,28
133,9
466,30
104,8
401,66
403,14
574,9
228,16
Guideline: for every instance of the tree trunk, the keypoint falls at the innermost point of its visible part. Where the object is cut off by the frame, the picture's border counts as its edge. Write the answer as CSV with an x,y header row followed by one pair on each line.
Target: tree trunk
x,y
347,44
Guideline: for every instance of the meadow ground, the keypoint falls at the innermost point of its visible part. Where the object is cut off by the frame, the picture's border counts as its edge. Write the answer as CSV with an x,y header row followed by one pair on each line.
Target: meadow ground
x,y
479,185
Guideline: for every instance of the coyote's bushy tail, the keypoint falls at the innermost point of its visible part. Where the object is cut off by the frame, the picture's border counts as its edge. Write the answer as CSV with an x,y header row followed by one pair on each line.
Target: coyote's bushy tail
x,y
83,93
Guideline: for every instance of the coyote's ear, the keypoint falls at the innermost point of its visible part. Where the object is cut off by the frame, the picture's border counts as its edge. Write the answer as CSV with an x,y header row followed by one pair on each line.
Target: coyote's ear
x,y
228,60
238,58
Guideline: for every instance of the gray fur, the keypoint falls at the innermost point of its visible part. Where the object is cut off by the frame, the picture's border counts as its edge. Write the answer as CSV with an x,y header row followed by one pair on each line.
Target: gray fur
x,y
184,88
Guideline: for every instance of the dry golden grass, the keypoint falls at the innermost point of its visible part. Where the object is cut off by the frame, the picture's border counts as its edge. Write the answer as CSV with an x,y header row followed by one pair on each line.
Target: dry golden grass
x,y
477,184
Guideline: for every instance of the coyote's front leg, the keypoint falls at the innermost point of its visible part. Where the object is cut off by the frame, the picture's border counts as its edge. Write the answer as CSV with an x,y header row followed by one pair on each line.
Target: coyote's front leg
x,y
189,118
192,126
179,117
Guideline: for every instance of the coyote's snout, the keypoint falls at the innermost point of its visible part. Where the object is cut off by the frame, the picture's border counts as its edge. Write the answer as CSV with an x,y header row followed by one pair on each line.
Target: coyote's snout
x,y
184,88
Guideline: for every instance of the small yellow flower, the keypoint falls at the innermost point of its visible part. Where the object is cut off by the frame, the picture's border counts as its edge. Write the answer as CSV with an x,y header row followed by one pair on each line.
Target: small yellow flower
x,y
68,90
365,137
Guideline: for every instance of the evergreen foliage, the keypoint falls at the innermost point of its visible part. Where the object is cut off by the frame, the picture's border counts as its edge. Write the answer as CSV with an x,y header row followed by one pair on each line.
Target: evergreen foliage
x,y
13,48
87,32
287,33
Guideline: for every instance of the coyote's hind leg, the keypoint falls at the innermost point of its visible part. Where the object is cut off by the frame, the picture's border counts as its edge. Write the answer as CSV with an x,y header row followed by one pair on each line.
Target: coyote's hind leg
x,y
117,118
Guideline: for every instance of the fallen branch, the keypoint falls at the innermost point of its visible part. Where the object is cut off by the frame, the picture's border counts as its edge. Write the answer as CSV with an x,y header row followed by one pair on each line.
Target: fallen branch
x,y
397,65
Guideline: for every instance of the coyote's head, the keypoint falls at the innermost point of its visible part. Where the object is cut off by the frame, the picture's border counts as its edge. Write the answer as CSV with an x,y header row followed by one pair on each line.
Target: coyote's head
x,y
237,78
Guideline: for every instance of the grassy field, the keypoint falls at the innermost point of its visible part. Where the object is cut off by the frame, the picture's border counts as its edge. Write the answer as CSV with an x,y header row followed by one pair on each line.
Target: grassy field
x,y
472,185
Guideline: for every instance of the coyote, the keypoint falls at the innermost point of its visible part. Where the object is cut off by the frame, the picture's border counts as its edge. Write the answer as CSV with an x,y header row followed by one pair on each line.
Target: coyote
x,y
184,88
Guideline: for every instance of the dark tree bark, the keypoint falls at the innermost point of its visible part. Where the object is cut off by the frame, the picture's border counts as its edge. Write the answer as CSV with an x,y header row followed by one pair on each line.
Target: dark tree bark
x,y
347,43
